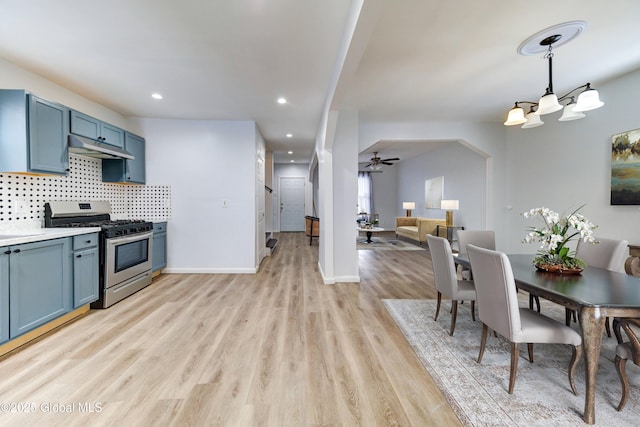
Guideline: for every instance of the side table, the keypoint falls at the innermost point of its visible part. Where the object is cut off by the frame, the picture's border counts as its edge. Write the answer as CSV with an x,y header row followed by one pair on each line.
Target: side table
x,y
447,232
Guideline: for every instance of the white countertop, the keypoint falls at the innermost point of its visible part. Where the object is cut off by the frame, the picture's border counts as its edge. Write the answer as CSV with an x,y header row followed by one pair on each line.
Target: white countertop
x,y
15,236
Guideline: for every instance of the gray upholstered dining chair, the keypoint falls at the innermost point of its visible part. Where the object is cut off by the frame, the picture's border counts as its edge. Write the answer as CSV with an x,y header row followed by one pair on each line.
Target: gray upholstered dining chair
x,y
498,309
608,254
447,283
482,238
625,351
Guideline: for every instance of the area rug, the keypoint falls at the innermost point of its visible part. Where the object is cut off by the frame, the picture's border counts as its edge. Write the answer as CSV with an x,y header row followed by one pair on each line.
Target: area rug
x,y
381,242
478,392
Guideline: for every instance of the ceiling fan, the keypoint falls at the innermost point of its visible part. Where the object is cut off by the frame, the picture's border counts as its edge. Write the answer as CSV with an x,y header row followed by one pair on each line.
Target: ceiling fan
x,y
377,162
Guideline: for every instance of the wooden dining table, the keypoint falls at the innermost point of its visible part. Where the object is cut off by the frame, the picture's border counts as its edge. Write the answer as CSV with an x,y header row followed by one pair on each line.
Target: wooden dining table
x,y
594,294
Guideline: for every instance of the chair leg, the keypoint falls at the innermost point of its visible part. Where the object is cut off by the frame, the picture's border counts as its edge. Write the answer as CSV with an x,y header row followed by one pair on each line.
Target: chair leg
x,y
515,355
607,327
530,349
454,315
473,311
438,306
533,298
483,341
616,329
620,367
575,358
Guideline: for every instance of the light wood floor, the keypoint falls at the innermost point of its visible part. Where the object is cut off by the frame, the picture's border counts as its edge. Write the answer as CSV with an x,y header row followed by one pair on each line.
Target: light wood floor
x,y
277,348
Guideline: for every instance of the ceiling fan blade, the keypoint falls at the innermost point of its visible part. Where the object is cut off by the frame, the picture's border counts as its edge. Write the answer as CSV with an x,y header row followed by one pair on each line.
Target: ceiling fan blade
x,y
395,159
386,163
370,164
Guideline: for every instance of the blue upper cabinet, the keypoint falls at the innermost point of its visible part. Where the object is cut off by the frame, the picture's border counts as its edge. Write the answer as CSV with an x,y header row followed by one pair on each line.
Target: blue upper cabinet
x,y
33,134
127,171
92,128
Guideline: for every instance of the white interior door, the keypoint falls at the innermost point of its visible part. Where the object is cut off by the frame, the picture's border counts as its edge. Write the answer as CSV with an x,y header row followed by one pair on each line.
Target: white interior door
x,y
291,204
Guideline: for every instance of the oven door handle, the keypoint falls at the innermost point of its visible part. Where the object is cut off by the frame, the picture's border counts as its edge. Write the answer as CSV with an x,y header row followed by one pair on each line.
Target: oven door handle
x,y
127,239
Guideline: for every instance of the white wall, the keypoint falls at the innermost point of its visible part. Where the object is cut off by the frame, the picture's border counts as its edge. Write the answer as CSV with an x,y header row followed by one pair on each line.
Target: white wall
x,y
563,165
345,197
464,173
206,162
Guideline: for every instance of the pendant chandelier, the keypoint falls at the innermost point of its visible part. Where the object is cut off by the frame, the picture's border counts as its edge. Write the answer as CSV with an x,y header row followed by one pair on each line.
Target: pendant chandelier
x,y
573,108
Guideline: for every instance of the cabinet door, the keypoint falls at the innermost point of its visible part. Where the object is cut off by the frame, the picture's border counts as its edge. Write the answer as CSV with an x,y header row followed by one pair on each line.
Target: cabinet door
x,y
159,254
111,135
85,276
135,169
84,125
4,295
39,284
130,171
48,124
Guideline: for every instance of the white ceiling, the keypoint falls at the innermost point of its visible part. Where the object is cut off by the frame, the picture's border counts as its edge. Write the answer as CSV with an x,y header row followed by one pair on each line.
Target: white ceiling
x,y
427,60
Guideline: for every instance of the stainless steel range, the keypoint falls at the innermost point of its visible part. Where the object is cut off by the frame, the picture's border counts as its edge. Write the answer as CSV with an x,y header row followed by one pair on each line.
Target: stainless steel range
x,y
125,246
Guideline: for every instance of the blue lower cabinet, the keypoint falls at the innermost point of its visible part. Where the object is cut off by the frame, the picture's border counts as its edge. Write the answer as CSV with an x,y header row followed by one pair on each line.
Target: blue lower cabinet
x,y
85,269
4,295
159,257
40,283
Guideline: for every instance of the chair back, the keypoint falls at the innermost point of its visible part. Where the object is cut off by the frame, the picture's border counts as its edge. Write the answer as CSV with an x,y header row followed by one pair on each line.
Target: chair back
x,y
496,292
444,270
609,254
481,238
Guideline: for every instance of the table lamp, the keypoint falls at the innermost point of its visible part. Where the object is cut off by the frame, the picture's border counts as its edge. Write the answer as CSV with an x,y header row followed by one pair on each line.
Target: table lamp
x,y
408,206
449,206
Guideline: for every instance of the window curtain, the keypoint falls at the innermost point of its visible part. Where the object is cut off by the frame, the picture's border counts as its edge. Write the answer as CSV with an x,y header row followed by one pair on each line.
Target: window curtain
x,y
365,193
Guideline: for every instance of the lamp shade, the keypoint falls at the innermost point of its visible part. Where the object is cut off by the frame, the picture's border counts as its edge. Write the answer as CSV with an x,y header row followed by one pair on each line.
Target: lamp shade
x,y
533,120
450,205
569,113
588,100
515,117
408,205
548,104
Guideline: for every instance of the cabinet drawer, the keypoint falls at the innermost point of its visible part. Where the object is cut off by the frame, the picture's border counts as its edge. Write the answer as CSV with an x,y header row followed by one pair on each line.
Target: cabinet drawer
x,y
85,241
159,227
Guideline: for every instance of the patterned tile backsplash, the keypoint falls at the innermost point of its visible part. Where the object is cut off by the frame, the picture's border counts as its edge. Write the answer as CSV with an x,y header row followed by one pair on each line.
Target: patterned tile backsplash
x,y
22,197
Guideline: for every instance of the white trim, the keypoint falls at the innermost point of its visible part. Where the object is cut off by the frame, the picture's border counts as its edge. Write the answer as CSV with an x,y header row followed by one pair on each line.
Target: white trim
x,y
348,279
325,280
209,271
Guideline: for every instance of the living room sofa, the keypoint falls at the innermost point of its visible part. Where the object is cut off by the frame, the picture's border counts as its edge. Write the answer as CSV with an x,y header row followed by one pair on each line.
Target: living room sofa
x,y
417,228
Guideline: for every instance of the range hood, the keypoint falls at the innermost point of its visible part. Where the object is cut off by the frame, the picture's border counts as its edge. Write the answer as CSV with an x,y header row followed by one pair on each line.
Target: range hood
x,y
88,147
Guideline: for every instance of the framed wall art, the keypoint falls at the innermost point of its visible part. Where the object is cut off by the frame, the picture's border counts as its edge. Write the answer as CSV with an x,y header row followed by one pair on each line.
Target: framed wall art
x,y
433,191
625,168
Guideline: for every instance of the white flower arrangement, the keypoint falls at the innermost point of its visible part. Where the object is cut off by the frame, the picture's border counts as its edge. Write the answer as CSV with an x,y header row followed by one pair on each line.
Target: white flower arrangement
x,y
555,234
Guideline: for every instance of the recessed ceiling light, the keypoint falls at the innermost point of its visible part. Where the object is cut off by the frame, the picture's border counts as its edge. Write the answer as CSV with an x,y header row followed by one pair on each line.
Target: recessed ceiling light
x,y
292,161
290,152
289,135
156,96
282,100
